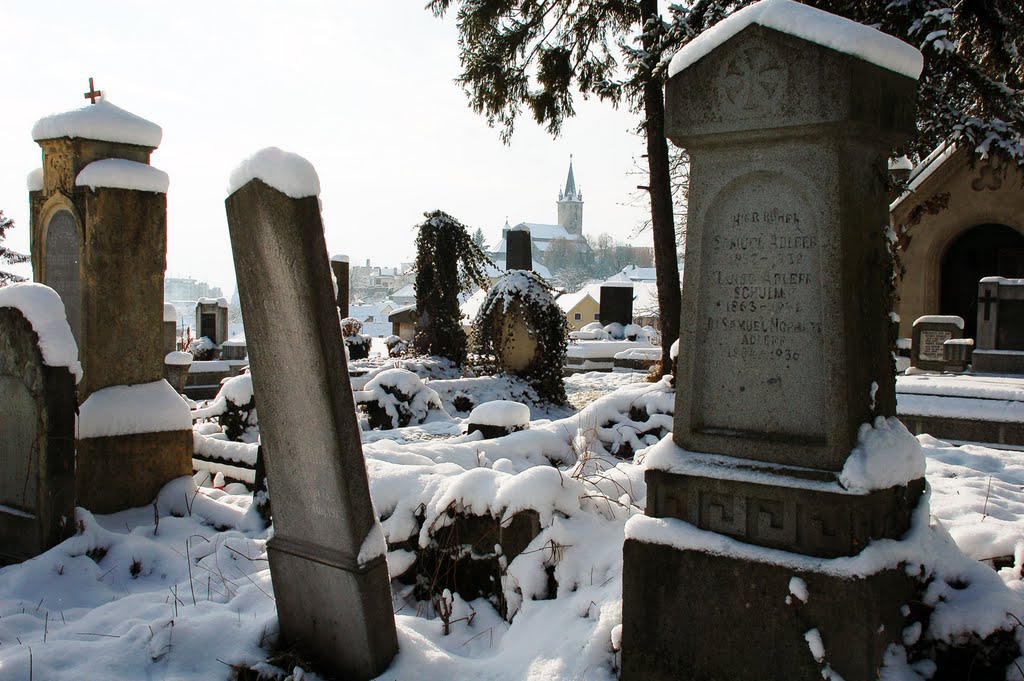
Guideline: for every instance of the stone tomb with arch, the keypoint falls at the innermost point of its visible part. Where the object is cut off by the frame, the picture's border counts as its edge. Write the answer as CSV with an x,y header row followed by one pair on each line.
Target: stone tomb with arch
x,y
98,237
980,233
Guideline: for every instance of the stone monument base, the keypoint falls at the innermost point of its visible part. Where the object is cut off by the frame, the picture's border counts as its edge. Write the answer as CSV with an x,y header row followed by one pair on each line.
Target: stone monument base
x,y
346,621
998,361
125,471
696,616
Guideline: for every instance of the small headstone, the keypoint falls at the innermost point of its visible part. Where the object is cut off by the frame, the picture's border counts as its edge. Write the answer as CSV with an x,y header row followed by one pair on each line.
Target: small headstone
x,y
327,556
929,334
957,354
37,420
616,304
519,249
170,328
1000,341
340,267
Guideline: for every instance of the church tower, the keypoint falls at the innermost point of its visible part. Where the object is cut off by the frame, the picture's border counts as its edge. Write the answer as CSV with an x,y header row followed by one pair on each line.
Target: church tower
x,y
570,205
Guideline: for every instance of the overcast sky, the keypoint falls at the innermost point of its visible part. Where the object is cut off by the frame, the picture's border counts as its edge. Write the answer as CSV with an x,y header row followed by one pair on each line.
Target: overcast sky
x,y
363,89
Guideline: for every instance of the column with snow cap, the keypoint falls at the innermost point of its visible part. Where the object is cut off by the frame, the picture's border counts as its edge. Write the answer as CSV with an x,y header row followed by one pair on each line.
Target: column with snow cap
x,y
787,464
327,556
340,268
99,238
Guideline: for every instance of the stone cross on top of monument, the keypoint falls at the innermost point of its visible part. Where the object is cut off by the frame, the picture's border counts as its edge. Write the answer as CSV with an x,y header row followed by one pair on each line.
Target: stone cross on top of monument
x,y
93,93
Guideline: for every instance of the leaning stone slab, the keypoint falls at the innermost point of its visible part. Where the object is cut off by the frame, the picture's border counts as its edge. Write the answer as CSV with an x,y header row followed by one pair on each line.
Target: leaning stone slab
x,y
38,372
327,556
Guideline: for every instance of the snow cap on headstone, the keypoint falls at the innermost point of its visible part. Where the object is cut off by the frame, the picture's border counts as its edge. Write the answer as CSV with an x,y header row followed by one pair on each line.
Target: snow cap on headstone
x,y
338,257
813,25
34,181
119,173
100,121
288,173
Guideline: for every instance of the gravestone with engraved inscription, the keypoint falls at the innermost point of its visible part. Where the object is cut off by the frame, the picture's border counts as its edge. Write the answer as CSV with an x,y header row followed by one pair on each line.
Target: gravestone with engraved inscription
x,y
929,334
37,452
327,555
788,115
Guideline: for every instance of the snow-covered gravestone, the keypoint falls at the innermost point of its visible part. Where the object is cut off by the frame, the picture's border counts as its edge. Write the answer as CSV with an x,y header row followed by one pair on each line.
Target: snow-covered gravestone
x,y
929,334
99,238
327,556
38,371
616,305
519,248
775,469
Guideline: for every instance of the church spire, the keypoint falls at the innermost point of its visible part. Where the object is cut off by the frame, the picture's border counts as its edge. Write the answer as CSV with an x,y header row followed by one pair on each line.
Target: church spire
x,y
570,193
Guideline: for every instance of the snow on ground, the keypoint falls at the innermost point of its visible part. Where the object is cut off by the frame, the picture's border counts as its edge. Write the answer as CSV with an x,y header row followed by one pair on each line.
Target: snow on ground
x,y
189,596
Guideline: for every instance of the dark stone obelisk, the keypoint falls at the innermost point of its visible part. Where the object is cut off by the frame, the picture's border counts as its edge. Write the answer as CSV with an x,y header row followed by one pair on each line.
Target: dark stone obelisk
x,y
340,267
518,249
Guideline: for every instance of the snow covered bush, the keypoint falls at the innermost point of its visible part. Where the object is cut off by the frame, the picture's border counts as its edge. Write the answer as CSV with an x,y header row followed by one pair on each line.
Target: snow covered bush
x,y
202,349
448,262
357,344
396,346
523,299
239,415
396,398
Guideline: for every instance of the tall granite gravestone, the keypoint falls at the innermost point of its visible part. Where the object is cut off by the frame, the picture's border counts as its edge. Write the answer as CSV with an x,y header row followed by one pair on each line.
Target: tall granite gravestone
x,y
37,453
99,237
783,356
327,556
212,319
1000,342
616,304
929,334
340,267
518,248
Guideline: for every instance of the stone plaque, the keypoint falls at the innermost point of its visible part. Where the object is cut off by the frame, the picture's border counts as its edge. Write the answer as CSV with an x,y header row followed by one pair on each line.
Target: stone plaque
x,y
19,445
760,315
930,348
61,270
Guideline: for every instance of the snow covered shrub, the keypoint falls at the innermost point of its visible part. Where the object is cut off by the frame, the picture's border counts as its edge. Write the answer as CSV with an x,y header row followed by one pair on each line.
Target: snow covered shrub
x,y
239,415
357,344
448,262
396,398
522,298
463,395
396,346
202,349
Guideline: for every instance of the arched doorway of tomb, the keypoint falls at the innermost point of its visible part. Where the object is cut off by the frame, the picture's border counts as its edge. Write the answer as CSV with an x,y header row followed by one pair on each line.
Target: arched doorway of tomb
x,y
990,250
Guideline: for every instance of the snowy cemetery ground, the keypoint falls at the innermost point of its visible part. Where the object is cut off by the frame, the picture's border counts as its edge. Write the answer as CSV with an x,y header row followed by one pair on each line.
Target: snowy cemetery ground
x,y
181,590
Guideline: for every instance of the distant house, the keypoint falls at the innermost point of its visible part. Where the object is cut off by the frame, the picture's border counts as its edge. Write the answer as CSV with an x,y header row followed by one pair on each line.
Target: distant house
x,y
403,322
404,296
581,307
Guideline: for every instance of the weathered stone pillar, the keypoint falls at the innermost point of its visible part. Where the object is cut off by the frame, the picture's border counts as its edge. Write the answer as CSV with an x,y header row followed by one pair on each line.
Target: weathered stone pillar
x,y
518,249
616,304
327,556
340,267
99,238
783,356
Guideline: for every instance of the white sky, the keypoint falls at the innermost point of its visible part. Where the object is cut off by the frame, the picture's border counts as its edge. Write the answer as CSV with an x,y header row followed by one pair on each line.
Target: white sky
x,y
363,89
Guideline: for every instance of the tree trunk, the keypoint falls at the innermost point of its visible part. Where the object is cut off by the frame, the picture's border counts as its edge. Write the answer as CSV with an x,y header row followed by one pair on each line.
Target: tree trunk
x,y
665,260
